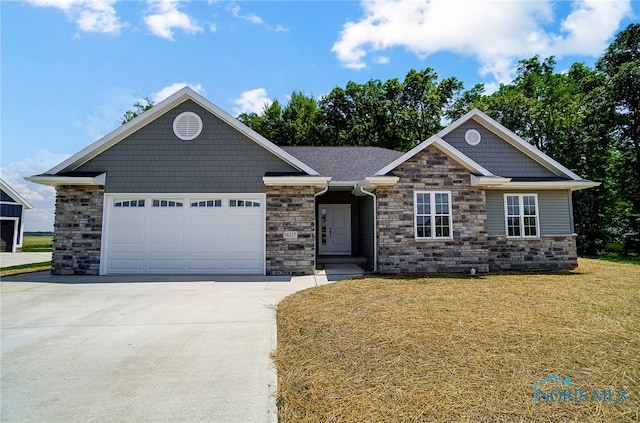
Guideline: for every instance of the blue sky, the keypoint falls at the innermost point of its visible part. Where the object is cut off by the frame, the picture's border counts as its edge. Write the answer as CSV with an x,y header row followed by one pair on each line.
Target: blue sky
x,y
71,68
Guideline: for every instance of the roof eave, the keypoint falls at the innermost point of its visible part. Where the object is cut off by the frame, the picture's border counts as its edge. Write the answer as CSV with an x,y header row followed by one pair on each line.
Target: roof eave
x,y
317,181
571,185
14,194
55,180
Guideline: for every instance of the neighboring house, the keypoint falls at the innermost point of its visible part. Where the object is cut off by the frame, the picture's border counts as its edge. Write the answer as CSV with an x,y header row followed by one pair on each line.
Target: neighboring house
x,y
187,188
12,207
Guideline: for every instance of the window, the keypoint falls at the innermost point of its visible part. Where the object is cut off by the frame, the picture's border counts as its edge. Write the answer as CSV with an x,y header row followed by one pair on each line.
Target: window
x,y
432,215
521,215
206,203
167,203
128,203
244,203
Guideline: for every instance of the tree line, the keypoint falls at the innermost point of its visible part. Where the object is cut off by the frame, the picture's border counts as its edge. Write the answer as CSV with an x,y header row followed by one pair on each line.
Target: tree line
x,y
586,118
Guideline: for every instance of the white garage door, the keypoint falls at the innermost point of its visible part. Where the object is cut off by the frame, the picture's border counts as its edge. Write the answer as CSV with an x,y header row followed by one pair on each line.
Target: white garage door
x,y
198,234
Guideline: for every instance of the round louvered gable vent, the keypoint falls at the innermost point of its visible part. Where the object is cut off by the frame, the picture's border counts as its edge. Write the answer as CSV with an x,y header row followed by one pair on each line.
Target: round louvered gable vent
x,y
472,137
187,126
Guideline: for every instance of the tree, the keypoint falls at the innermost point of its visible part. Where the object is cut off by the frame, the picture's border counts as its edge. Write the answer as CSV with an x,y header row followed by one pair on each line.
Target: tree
x,y
139,108
621,64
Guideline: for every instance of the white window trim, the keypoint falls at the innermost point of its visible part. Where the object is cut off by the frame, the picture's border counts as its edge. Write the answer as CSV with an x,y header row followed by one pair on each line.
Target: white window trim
x,y
521,215
432,195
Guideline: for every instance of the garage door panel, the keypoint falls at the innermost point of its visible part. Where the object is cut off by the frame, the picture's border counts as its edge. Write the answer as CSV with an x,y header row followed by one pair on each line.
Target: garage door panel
x,y
166,248
212,266
165,265
126,265
241,249
127,248
209,248
202,239
126,225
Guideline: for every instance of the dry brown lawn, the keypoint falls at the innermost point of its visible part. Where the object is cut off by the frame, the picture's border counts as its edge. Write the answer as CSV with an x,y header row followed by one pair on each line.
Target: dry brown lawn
x,y
456,349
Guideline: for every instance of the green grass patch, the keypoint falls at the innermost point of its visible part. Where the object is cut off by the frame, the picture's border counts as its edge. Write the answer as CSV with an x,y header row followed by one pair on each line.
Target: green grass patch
x,y
25,268
631,258
37,243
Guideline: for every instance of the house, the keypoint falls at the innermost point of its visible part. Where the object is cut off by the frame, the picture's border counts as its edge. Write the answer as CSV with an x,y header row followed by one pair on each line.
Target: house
x,y
12,207
187,188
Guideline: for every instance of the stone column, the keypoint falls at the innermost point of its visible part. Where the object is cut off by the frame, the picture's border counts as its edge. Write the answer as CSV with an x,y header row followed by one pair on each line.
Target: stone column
x,y
290,212
77,230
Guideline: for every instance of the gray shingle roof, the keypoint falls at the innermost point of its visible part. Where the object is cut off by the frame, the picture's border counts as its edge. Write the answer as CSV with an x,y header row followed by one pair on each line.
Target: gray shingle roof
x,y
344,164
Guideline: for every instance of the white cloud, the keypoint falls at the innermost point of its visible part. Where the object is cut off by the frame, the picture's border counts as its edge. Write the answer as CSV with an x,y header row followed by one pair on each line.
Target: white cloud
x,y
496,33
89,15
106,113
252,101
235,11
41,197
164,17
168,90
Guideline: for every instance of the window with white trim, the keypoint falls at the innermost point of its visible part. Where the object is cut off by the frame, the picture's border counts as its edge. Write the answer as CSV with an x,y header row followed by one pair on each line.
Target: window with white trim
x,y
432,212
167,203
521,215
244,203
206,203
128,203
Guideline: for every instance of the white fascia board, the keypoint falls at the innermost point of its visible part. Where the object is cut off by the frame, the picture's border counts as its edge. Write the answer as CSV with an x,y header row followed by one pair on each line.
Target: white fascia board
x,y
156,111
370,183
548,185
321,181
13,194
54,180
488,181
343,183
514,140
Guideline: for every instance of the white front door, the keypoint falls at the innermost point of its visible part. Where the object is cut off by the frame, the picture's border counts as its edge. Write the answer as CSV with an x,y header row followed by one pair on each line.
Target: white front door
x,y
334,229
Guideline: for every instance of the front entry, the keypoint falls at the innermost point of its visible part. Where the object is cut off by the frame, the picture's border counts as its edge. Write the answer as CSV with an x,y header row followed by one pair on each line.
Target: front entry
x,y
334,229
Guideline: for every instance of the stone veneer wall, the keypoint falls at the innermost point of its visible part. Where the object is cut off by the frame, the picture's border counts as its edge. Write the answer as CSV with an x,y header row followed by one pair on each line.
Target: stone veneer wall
x,y
399,251
77,230
554,252
290,209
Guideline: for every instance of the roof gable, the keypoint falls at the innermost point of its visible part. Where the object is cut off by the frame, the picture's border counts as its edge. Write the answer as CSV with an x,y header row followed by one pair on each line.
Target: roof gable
x,y
512,139
482,177
14,195
443,146
158,110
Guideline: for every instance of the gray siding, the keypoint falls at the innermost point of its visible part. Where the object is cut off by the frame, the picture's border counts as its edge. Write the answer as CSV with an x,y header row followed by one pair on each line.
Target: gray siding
x,y
367,229
554,208
495,154
154,160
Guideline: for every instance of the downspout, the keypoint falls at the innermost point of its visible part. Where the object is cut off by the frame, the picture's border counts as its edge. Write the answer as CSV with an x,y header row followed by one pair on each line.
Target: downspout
x,y
375,225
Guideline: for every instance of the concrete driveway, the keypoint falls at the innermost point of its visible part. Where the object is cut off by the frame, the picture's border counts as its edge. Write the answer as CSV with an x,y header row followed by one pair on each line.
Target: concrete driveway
x,y
140,349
